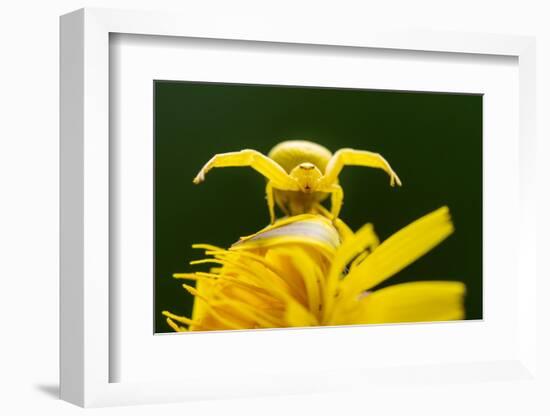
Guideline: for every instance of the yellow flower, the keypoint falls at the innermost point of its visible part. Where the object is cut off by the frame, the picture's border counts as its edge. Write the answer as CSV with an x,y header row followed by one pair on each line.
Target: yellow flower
x,y
308,271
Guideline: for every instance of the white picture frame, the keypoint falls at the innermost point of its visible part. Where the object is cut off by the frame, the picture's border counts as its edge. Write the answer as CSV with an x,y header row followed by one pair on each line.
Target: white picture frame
x,y
85,212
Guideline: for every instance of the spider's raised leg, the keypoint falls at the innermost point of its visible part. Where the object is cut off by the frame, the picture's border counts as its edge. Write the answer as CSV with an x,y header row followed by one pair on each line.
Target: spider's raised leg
x,y
257,161
270,201
336,200
353,157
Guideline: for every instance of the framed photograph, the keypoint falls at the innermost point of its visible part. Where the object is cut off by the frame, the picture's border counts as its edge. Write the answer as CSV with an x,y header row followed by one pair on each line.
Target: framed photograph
x,y
278,275
273,212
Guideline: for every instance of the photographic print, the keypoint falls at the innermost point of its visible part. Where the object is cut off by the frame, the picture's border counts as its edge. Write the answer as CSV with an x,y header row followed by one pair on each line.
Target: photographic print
x,y
283,206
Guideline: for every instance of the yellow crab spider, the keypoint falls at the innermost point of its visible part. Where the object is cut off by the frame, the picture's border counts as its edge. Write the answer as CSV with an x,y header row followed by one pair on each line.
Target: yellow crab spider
x,y
300,174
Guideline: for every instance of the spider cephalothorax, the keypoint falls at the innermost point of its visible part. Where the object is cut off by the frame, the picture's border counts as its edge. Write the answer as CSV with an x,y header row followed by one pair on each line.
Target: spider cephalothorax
x,y
300,174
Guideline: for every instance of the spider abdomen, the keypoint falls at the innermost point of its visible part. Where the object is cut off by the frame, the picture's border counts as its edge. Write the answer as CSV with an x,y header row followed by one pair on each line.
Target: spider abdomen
x,y
292,153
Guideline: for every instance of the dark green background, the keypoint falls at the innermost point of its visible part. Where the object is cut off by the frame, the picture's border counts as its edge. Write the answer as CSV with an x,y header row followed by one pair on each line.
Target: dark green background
x,y
432,140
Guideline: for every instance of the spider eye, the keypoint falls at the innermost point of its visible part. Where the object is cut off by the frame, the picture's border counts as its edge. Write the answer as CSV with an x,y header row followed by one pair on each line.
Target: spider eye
x,y
307,166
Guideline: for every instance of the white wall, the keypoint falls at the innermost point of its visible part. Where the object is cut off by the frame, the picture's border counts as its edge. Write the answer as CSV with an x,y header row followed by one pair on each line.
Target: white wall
x,y
29,185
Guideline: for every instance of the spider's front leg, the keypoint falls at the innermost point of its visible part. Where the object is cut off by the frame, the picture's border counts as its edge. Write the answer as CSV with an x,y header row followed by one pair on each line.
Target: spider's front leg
x,y
254,159
270,201
275,174
336,199
351,157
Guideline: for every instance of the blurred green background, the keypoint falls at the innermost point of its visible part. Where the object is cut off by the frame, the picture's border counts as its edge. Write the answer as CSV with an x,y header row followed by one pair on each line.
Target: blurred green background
x,y
432,140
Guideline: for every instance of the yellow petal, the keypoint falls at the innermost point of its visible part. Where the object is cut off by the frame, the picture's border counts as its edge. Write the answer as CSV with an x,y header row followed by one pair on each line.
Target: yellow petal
x,y
175,326
350,248
253,269
309,272
281,260
414,302
172,317
305,229
297,316
200,307
398,251
246,315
